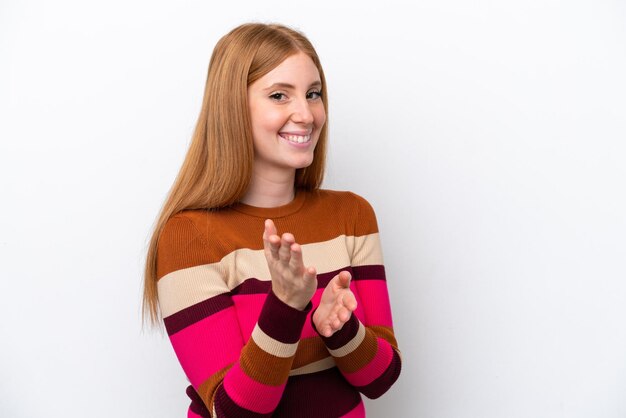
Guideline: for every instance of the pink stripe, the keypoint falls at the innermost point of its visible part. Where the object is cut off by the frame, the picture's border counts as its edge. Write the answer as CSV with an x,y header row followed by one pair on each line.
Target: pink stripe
x,y
358,412
208,345
374,368
248,309
250,394
375,302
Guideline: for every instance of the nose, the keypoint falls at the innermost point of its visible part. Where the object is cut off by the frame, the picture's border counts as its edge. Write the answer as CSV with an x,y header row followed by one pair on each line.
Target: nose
x,y
301,112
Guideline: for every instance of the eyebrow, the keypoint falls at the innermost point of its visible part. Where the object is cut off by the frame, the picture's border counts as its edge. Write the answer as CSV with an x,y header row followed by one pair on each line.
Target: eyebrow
x,y
317,83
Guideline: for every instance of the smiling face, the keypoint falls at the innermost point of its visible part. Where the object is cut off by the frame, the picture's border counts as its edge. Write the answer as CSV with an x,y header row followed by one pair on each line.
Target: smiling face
x,y
287,116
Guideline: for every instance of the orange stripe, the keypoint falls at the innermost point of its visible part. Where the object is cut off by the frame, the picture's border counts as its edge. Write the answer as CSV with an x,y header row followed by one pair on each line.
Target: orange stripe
x,y
203,237
272,370
207,389
309,351
361,356
180,246
385,333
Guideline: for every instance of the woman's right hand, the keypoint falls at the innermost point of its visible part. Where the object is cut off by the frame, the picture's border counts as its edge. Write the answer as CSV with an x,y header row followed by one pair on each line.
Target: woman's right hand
x,y
292,282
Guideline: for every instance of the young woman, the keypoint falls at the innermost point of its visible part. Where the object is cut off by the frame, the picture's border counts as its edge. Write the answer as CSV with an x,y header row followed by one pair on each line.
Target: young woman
x,y
272,290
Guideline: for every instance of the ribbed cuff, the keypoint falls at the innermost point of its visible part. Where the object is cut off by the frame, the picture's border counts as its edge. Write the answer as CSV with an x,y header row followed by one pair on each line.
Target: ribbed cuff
x,y
280,321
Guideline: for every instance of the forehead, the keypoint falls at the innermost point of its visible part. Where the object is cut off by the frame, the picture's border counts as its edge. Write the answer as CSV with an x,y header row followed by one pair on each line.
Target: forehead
x,y
297,70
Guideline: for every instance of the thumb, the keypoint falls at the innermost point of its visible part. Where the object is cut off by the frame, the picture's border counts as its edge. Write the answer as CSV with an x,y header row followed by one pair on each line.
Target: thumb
x,y
344,279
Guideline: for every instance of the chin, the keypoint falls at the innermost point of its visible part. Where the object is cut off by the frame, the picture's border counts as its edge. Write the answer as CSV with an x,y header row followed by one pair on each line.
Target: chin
x,y
303,164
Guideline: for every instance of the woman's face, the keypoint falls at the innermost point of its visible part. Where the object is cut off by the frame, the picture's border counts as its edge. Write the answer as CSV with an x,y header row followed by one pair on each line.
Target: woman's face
x,y
287,115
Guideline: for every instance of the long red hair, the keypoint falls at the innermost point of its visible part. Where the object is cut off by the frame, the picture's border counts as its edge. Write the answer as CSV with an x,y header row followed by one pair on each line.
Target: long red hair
x,y
217,169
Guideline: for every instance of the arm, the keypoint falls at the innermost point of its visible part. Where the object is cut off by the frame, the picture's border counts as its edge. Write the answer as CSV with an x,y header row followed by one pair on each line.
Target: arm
x,y
232,377
365,352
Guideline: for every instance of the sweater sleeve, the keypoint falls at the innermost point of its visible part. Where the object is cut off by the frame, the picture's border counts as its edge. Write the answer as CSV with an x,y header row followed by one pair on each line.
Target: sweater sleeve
x,y
366,352
232,377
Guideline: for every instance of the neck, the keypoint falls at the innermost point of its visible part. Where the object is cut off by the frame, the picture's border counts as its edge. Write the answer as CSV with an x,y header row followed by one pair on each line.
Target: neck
x,y
270,191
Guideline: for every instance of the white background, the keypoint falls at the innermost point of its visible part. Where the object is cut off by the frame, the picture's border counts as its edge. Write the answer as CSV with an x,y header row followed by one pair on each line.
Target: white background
x,y
488,135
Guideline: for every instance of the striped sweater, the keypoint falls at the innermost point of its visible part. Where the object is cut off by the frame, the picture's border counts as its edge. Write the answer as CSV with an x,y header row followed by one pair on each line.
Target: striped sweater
x,y
245,352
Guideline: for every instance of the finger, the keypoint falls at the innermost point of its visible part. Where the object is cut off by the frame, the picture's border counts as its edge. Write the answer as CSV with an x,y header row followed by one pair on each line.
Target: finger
x,y
269,239
344,315
349,301
295,261
274,246
266,235
336,323
327,332
284,252
310,273
270,227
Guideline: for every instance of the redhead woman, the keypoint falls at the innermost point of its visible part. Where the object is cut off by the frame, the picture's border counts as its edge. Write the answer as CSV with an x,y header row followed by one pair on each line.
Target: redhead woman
x,y
272,290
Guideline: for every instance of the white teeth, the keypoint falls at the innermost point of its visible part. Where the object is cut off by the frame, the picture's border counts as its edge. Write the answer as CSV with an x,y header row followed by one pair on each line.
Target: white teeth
x,y
298,138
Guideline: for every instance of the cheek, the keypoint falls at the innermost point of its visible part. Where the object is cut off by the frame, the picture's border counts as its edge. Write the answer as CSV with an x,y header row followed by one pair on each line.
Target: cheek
x,y
263,119
272,121
320,117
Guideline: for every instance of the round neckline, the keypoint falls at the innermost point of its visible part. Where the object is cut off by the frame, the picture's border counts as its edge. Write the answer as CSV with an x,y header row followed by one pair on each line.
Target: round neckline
x,y
274,212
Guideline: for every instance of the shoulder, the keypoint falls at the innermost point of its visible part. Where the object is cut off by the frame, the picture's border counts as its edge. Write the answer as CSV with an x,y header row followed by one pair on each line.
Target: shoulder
x,y
181,229
195,237
351,205
180,244
203,225
340,197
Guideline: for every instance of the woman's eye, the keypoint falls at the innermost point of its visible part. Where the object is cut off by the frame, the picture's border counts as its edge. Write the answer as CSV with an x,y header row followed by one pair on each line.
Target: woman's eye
x,y
314,95
277,96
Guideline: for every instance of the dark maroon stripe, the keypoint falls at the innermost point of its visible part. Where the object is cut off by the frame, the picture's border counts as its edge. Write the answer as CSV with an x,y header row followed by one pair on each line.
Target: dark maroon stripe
x,y
197,312
197,406
252,286
226,407
371,272
324,278
315,395
343,336
280,321
381,384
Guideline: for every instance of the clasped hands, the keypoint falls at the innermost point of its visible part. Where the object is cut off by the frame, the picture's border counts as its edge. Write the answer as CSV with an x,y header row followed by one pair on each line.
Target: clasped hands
x,y
295,284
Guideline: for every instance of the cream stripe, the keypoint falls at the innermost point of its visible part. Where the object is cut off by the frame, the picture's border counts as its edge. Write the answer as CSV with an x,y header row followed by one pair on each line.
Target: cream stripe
x,y
183,288
367,250
352,345
316,366
272,346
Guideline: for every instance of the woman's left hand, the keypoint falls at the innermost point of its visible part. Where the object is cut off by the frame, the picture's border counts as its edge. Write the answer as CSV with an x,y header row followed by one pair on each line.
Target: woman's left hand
x,y
336,305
